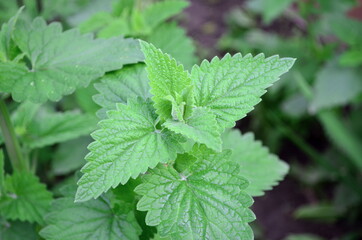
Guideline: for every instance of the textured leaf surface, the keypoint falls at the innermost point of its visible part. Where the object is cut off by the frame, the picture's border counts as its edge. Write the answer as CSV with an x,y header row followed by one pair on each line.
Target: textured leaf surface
x,y
231,87
49,127
168,80
92,220
173,40
201,127
61,61
126,145
26,198
263,169
336,86
129,82
205,201
160,11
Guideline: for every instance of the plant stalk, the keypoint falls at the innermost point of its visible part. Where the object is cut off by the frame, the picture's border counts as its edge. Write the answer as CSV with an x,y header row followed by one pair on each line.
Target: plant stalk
x,y
340,135
11,141
343,139
315,155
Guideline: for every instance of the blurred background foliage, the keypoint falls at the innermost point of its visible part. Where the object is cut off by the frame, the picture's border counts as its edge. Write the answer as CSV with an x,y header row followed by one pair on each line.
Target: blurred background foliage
x,y
312,118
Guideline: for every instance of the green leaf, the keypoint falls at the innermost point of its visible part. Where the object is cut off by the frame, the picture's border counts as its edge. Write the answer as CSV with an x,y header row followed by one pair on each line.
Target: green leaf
x,y
50,127
24,114
6,43
127,144
60,61
62,9
92,220
344,83
323,212
96,22
68,158
17,230
8,9
341,26
26,198
117,27
84,97
231,87
206,201
39,126
160,11
129,82
173,40
168,80
157,237
201,127
123,7
262,169
295,106
351,58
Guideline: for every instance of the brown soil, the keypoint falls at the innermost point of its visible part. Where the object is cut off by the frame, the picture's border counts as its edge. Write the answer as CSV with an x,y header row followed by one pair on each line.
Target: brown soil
x,y
205,23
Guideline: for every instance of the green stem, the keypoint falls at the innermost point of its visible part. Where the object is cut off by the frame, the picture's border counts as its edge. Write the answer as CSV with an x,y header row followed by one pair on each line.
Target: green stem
x,y
341,136
300,143
11,141
315,155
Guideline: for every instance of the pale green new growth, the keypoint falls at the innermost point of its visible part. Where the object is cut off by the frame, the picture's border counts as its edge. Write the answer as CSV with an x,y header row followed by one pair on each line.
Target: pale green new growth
x,y
261,168
173,99
25,198
160,125
205,201
233,85
168,80
201,127
93,220
127,144
129,82
199,193
60,61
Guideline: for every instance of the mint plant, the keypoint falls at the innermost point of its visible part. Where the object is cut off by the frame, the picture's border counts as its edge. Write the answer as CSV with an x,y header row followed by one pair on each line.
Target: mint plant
x,y
173,142
164,157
